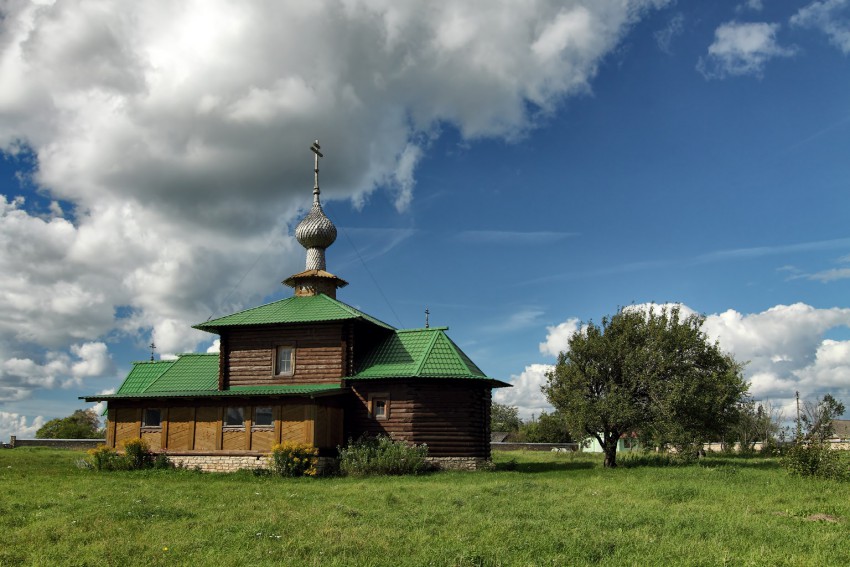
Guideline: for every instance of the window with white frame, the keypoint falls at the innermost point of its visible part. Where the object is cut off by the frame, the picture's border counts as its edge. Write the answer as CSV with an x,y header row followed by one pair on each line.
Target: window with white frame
x,y
284,360
379,406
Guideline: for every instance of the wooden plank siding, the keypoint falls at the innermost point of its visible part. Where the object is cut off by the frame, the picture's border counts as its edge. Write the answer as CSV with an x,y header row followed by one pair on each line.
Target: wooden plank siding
x,y
450,416
128,424
181,422
321,354
199,428
207,423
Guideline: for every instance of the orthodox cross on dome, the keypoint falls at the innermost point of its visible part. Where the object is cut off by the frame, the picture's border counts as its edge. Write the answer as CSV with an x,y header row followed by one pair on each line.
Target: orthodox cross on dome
x,y
427,323
315,149
315,232
153,348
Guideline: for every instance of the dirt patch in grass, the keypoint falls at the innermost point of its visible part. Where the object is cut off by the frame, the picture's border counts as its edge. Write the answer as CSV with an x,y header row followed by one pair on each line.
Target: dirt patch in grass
x,y
823,518
819,517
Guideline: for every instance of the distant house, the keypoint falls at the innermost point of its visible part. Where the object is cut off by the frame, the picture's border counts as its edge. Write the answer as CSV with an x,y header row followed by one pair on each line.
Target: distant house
x,y
308,368
840,431
627,442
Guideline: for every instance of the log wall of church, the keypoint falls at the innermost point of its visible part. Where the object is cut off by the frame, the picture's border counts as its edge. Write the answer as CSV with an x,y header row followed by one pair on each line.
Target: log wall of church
x,y
250,355
451,416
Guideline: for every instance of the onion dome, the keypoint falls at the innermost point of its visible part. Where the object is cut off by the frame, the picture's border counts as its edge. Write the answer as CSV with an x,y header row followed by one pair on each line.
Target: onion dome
x,y
315,233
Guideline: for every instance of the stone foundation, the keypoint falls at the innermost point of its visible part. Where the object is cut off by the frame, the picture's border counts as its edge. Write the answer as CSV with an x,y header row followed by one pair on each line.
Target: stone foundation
x,y
460,463
219,463
233,463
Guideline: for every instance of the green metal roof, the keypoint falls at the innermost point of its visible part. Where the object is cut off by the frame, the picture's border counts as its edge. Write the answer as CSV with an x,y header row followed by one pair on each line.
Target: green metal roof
x,y
189,372
196,376
419,353
143,375
294,309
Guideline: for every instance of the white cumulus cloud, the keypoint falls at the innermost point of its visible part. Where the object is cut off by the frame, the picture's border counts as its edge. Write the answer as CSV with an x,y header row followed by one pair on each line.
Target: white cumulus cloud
x,y
742,49
526,394
832,17
786,350
18,425
20,376
558,337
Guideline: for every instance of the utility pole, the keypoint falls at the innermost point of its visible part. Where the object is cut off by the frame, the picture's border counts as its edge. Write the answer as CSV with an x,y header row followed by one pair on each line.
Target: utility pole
x,y
799,423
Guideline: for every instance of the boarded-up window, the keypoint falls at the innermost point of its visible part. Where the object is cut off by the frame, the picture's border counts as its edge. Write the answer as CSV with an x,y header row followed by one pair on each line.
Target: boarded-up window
x,y
234,417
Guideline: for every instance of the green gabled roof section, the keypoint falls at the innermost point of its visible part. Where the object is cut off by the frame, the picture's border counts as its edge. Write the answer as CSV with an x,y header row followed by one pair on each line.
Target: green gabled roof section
x,y
419,353
310,309
143,375
195,372
445,358
196,376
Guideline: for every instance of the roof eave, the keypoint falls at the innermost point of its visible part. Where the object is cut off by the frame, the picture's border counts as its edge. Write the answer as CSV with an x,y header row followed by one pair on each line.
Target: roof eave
x,y
211,394
492,381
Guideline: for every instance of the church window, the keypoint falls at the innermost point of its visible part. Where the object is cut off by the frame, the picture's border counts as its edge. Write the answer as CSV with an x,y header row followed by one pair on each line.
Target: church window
x,y
234,417
285,361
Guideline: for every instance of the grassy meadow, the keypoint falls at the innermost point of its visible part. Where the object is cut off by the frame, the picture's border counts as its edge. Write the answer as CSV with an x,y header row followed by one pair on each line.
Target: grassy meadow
x,y
553,509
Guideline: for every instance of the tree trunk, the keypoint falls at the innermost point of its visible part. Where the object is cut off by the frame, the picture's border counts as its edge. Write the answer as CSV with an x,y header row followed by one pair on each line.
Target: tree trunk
x,y
610,450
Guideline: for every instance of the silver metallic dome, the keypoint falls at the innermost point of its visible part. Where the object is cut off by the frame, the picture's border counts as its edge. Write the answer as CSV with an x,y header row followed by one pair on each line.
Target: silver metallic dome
x,y
316,230
315,233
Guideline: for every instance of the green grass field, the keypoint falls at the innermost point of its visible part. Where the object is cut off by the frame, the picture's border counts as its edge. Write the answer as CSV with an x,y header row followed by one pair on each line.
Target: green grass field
x,y
555,509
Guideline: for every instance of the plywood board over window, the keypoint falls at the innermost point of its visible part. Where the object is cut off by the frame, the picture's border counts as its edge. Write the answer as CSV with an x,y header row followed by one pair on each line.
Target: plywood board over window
x,y
128,423
294,423
180,428
207,422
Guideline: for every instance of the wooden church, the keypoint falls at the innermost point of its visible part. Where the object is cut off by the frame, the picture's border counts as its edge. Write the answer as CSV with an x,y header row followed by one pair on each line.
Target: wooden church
x,y
311,369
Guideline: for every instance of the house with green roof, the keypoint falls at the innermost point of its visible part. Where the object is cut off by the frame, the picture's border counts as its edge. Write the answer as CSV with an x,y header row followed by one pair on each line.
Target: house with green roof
x,y
311,369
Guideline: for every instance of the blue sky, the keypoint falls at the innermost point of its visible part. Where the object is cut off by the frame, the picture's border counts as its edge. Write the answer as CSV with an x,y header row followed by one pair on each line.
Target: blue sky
x,y
517,170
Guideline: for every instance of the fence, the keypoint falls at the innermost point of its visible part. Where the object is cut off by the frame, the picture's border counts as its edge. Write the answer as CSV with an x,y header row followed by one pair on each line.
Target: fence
x,y
77,444
502,446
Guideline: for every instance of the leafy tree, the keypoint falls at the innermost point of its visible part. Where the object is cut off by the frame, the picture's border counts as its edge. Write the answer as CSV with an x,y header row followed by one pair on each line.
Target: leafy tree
x,y
818,415
547,428
504,418
82,424
655,372
757,421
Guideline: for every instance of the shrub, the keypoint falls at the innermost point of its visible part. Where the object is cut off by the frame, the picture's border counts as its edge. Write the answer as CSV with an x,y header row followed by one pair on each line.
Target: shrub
x,y
137,456
161,461
815,460
103,458
294,459
382,455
